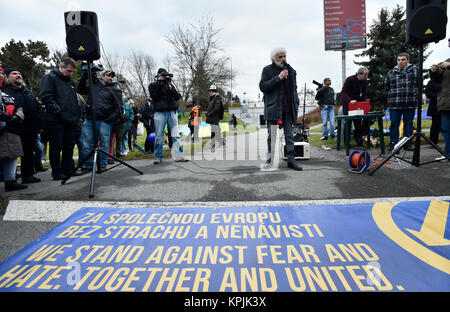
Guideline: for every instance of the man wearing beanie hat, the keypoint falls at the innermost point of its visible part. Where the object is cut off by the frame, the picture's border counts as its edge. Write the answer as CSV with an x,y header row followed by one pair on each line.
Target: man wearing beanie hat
x,y
31,124
11,116
164,99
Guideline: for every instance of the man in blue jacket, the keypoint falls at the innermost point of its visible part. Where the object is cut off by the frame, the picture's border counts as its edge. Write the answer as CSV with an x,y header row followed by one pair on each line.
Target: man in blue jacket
x,y
58,94
279,85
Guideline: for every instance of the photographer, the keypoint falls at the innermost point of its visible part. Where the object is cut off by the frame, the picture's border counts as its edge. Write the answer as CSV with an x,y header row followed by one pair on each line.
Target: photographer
x,y
164,99
62,115
108,108
326,101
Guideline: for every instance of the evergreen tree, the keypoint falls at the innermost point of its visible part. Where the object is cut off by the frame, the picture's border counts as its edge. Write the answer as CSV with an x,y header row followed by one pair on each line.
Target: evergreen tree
x,y
31,59
386,40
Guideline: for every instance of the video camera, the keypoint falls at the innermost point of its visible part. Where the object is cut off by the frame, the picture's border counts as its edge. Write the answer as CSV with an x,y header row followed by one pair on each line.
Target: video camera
x,y
94,68
167,76
318,84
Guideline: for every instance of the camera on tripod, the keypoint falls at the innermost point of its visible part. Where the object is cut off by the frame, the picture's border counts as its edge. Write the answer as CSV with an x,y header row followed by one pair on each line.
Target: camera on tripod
x,y
94,68
318,84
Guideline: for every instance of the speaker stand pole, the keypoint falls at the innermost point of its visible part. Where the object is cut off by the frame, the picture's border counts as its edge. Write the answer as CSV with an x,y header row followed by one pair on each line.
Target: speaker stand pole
x,y
97,150
419,134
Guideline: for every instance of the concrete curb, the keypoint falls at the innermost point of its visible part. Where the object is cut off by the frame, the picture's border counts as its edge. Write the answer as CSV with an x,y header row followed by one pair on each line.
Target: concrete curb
x,y
58,211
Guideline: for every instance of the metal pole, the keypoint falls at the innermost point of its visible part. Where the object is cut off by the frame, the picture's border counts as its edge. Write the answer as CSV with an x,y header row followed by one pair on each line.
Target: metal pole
x,y
231,82
344,66
416,155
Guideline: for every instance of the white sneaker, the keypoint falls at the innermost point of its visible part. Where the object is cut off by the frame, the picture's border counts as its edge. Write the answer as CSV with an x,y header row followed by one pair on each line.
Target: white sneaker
x,y
440,158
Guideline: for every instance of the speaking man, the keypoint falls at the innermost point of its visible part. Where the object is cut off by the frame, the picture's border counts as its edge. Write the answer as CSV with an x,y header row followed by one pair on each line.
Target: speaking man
x,y
279,86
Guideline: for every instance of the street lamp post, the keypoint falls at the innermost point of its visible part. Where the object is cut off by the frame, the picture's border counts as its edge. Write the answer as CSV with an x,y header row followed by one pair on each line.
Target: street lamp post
x,y
231,81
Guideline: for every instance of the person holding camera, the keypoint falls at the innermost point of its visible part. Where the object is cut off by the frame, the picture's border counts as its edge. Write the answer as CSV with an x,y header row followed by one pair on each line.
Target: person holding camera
x,y
440,73
326,101
164,99
108,107
279,86
63,114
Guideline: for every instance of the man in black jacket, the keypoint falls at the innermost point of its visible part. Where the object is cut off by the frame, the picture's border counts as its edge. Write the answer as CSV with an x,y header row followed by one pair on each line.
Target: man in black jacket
x,y
279,85
31,124
164,99
108,108
326,101
63,113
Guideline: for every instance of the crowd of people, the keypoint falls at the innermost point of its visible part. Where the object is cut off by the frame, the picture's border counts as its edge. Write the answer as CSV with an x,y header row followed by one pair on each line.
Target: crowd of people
x,y
62,118
402,87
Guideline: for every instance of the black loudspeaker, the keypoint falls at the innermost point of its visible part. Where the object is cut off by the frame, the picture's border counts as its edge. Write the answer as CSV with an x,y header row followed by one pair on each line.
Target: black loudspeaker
x,y
426,21
82,35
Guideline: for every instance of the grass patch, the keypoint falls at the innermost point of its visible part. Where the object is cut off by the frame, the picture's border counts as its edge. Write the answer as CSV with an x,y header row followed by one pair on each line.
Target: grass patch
x,y
3,204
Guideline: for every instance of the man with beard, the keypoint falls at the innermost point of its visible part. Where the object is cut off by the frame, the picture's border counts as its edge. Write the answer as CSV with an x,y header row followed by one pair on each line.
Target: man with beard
x,y
279,85
31,125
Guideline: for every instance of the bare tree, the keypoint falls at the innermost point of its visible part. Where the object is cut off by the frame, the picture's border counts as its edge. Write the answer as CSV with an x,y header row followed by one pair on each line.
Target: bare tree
x,y
198,60
142,67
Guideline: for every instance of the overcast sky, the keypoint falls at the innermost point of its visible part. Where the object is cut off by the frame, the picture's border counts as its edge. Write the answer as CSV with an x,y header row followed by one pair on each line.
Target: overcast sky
x,y
250,30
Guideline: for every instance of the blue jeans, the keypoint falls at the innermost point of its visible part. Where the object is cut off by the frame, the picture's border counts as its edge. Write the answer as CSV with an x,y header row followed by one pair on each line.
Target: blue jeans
x,y
160,120
445,125
87,139
408,126
327,115
124,142
9,168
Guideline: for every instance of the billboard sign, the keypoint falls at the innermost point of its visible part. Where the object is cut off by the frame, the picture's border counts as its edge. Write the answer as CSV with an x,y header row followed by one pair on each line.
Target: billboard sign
x,y
345,24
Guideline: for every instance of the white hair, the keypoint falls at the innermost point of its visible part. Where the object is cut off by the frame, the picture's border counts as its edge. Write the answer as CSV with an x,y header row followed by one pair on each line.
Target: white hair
x,y
276,51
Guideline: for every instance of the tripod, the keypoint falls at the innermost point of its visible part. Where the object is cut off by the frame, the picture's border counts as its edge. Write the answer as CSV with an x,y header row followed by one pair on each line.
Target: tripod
x,y
95,152
419,134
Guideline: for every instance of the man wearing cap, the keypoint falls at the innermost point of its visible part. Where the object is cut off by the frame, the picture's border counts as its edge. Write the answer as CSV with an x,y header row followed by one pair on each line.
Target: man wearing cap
x,y
214,113
279,85
63,114
164,100
108,107
31,124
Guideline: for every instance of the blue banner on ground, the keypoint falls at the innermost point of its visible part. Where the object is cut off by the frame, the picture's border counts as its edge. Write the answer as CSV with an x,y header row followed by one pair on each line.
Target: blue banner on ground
x,y
347,247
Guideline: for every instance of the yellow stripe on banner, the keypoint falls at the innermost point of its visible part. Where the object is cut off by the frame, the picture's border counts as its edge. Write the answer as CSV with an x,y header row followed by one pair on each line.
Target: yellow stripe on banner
x,y
382,214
